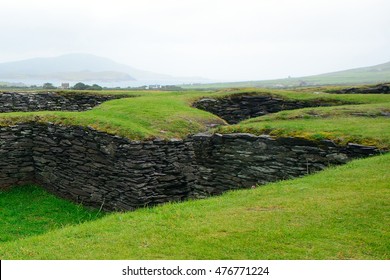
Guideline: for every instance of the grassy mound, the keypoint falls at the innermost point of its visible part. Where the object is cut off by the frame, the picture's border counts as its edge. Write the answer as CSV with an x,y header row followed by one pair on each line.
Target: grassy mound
x,y
367,124
169,114
155,115
340,213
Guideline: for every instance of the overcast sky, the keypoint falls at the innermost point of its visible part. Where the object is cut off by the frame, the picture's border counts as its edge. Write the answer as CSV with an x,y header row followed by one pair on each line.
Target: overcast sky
x,y
217,39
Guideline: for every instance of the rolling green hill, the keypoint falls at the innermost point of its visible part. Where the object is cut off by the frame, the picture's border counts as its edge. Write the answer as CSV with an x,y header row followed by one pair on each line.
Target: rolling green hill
x,y
365,75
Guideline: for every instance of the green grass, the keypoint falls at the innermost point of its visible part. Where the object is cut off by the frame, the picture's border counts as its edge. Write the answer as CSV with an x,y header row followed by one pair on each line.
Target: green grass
x,y
320,80
366,124
340,213
30,210
161,116
359,76
319,94
364,110
167,114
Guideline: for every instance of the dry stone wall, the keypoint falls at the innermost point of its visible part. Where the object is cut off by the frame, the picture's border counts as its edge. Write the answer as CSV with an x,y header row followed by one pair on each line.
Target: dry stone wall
x,y
233,161
114,173
16,163
31,102
234,109
94,168
375,89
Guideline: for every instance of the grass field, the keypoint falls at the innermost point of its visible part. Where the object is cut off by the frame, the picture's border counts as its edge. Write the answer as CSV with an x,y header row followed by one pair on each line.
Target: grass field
x,y
365,75
29,210
364,124
340,213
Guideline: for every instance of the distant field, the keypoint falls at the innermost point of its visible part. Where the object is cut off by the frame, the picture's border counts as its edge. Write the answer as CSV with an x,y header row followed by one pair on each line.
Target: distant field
x,y
359,76
320,80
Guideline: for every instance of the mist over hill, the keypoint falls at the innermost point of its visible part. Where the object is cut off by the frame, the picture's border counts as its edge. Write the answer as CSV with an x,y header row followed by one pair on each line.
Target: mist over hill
x,y
89,68
82,68
364,75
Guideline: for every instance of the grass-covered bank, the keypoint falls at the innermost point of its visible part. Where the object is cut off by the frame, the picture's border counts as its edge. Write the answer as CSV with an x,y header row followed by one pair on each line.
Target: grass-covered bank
x,y
367,124
169,114
161,116
340,213
29,210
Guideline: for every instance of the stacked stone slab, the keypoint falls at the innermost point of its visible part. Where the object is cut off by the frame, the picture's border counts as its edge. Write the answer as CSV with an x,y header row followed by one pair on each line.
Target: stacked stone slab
x,y
114,173
95,168
31,102
16,162
234,109
240,160
374,89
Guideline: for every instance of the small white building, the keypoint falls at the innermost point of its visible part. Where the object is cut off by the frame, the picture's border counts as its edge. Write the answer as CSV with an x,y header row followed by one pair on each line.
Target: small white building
x,y
65,85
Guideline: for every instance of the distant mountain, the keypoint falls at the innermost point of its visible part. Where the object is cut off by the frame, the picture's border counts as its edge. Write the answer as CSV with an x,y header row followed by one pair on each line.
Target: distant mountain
x,y
78,68
364,75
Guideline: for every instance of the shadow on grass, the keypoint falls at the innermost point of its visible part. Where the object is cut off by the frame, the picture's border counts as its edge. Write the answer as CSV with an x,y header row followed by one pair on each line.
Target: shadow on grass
x,y
30,210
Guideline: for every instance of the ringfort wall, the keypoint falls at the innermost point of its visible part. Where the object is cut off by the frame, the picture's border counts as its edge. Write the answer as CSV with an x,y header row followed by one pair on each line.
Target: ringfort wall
x,y
114,173
30,102
236,108
102,170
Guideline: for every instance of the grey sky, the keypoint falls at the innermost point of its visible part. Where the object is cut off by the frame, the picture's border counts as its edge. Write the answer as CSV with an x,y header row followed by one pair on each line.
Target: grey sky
x,y
217,39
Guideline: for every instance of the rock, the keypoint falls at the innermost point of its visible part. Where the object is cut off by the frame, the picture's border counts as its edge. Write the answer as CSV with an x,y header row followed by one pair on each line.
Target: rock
x,y
337,158
92,167
29,102
234,109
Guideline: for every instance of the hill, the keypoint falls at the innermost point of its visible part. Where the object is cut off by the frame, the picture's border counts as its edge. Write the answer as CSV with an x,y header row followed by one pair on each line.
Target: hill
x,y
78,67
364,75
74,67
